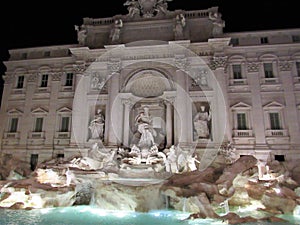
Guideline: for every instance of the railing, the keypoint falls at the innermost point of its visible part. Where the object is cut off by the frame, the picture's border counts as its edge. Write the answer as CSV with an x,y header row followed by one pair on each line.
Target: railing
x,y
196,14
18,91
110,20
237,81
13,135
43,89
243,133
37,135
273,80
62,135
297,79
67,88
99,21
276,133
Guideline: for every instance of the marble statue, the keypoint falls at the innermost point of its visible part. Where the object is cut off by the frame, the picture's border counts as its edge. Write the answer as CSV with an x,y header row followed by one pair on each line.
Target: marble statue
x,y
146,8
218,23
144,127
171,161
97,126
115,32
81,34
179,25
97,82
229,153
133,7
201,120
162,5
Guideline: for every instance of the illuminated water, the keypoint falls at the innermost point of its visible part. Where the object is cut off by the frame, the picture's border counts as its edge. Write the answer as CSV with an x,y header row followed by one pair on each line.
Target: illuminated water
x,y
86,215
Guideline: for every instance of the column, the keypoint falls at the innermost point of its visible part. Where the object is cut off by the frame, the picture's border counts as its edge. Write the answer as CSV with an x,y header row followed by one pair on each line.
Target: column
x,y
126,126
221,127
7,88
80,114
257,108
183,104
111,112
291,112
169,123
113,125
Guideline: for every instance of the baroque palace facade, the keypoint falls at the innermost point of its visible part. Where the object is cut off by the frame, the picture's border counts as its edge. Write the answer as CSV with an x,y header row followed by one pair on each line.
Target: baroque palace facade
x,y
202,87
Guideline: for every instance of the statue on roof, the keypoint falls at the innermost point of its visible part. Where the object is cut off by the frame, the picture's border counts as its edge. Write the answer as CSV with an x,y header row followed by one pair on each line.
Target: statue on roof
x,y
133,7
81,34
146,8
218,23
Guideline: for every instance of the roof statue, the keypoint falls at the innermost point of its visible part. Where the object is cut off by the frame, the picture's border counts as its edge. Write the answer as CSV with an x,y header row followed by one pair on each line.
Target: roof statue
x,y
146,8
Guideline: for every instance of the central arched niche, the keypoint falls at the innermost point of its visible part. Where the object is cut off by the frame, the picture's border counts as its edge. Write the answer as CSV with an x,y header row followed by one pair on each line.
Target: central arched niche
x,y
147,88
148,84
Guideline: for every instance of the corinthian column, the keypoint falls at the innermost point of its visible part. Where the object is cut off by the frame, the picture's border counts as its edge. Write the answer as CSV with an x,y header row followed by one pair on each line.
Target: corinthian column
x,y
169,122
126,127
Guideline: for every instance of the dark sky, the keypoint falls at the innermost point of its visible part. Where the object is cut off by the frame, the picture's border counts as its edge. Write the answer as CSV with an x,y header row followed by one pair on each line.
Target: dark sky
x,y
42,23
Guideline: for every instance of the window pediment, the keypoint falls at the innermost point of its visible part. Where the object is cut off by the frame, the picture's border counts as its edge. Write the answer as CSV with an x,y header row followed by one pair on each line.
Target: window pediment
x,y
236,59
64,110
44,69
241,106
268,57
14,112
273,105
20,70
39,111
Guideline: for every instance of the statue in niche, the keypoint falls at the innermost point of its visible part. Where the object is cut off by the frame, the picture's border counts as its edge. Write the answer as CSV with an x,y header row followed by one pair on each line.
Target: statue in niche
x,y
218,23
115,32
201,123
143,122
81,34
179,25
97,126
133,8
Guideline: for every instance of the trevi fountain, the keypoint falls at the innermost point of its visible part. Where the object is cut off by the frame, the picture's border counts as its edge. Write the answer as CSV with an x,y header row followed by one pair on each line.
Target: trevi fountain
x,y
147,178
126,183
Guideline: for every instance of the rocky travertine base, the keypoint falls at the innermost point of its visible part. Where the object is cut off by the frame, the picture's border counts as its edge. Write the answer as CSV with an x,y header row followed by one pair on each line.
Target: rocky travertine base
x,y
220,191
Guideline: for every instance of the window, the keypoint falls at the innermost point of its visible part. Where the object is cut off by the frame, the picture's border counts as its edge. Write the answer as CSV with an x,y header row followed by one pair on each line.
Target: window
x,y
274,121
280,158
20,82
47,53
268,69
296,38
33,161
13,125
298,68
44,81
65,124
69,79
234,41
241,121
60,156
237,71
24,55
264,40
38,124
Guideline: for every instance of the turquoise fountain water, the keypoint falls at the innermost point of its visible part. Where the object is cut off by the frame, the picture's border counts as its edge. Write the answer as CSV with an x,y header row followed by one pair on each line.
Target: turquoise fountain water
x,y
89,215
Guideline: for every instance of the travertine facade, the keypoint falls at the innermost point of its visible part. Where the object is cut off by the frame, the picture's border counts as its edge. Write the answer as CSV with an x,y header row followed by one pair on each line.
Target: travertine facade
x,y
202,87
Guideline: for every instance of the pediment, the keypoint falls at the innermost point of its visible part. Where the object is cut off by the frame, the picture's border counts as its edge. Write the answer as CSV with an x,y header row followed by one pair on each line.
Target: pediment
x,y
14,111
273,105
236,58
240,105
296,56
39,110
64,110
268,57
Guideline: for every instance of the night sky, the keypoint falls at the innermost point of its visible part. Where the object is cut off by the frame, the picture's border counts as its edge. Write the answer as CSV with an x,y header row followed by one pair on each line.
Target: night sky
x,y
32,24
